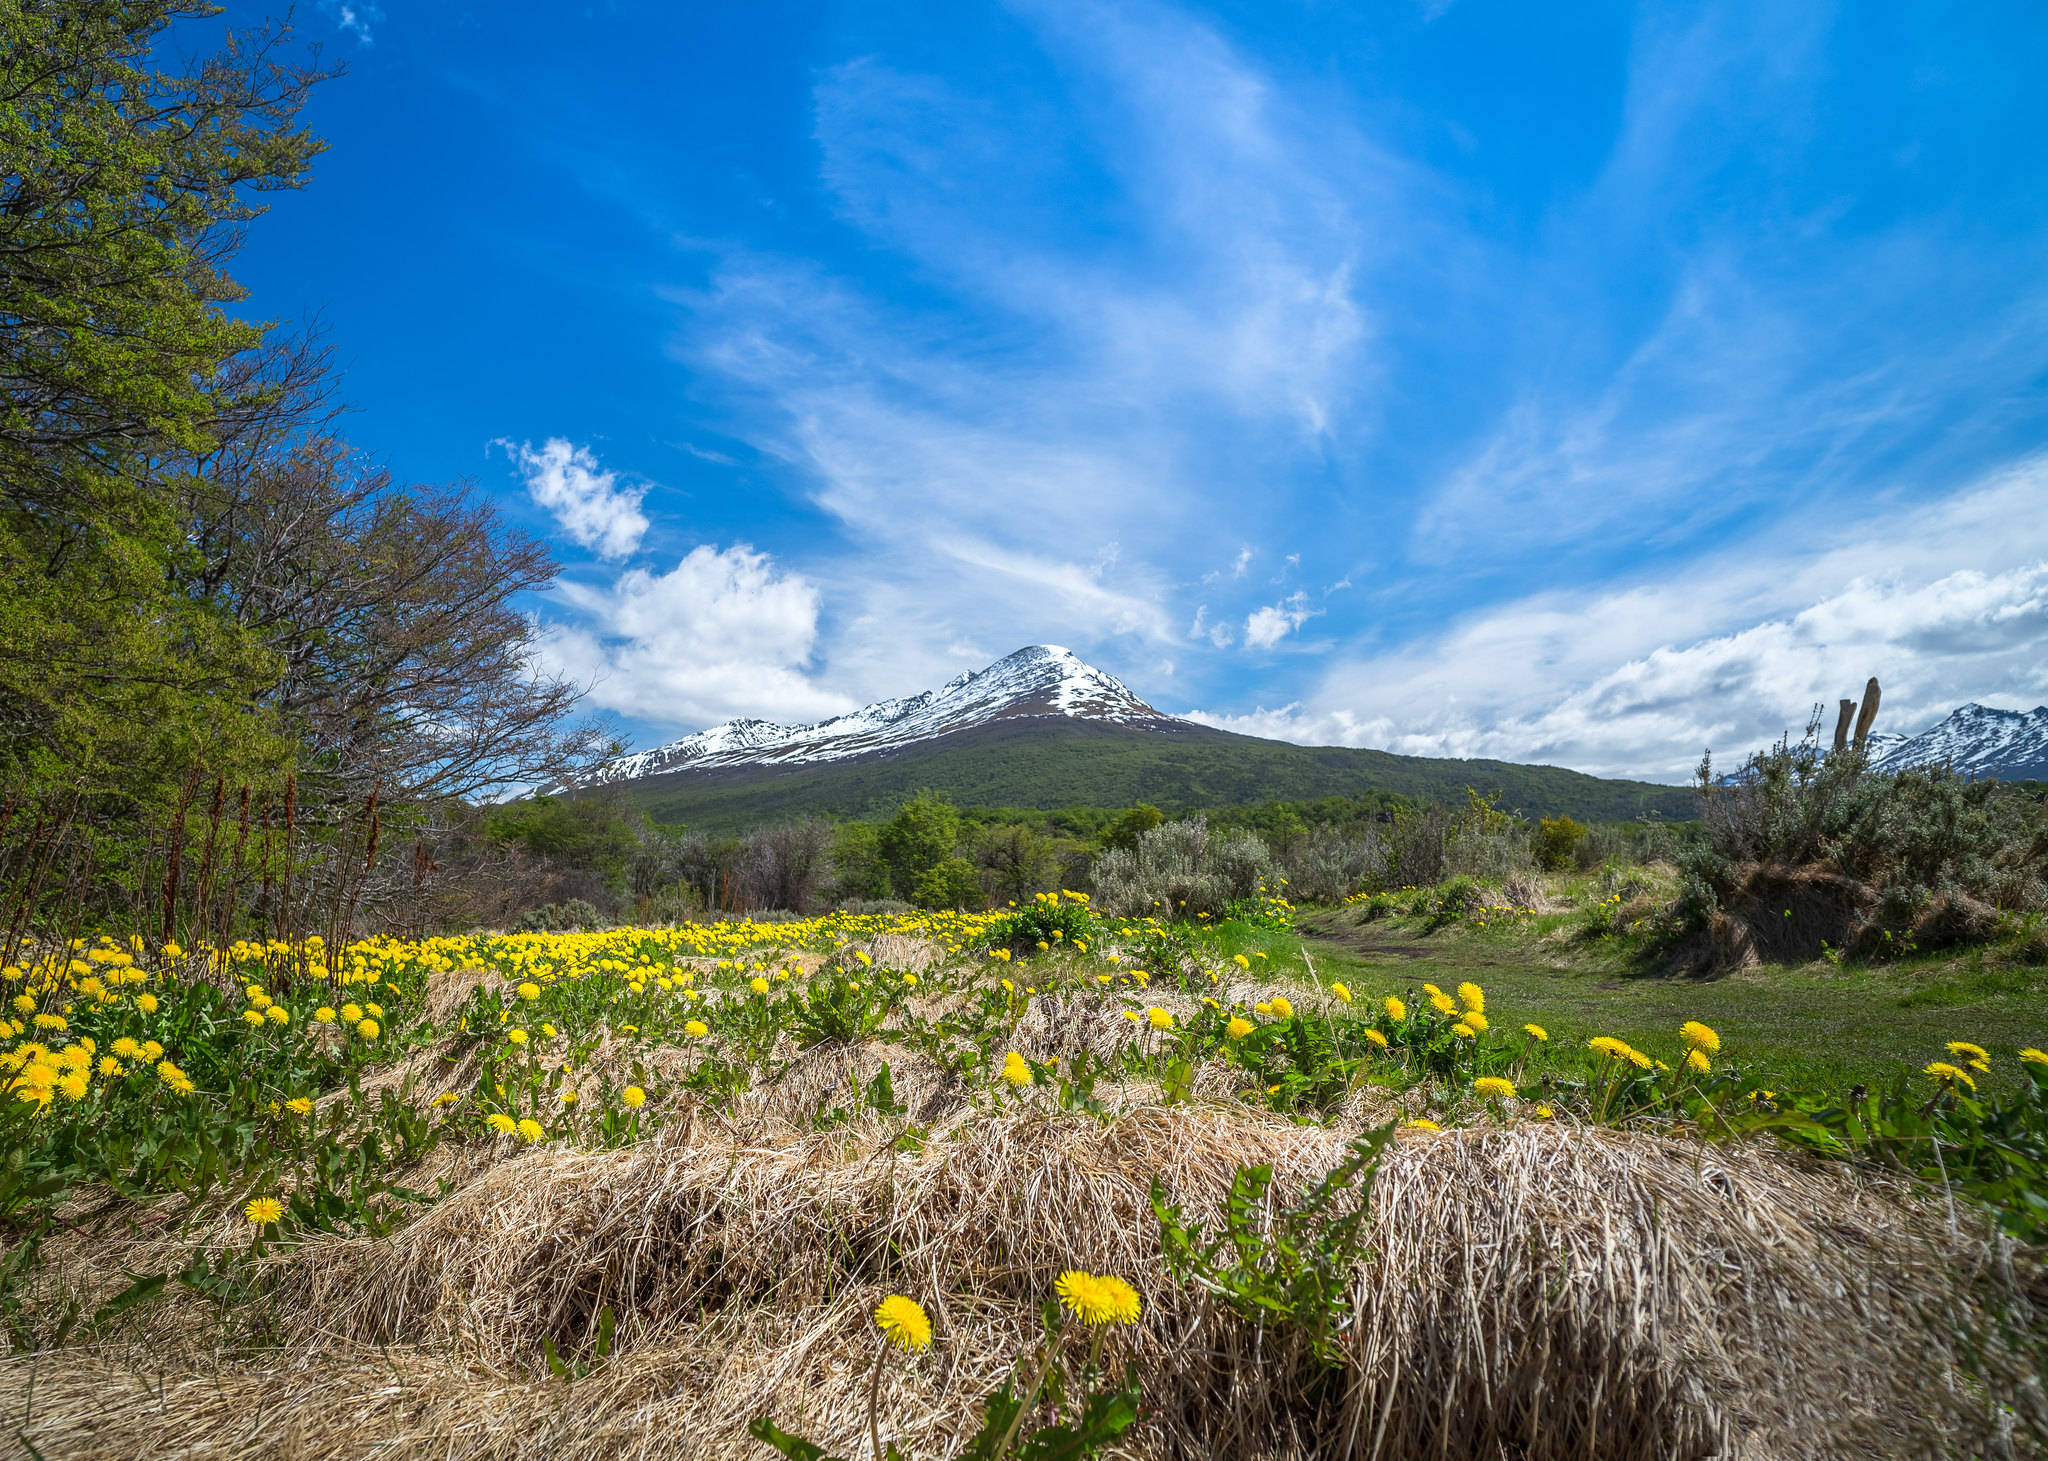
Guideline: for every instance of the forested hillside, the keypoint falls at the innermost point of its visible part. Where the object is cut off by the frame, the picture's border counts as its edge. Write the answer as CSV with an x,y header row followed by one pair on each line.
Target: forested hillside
x,y
1047,763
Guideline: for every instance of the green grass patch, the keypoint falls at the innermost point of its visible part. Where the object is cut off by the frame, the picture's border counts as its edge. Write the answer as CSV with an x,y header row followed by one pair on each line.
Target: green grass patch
x,y
1828,1024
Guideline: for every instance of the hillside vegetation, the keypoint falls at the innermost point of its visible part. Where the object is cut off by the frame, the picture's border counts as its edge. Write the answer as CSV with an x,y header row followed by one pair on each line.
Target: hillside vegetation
x,y
1048,762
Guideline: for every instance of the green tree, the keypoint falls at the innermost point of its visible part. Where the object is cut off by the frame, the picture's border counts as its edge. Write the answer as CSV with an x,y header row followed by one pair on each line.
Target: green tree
x,y
590,833
1556,839
122,190
924,833
1130,825
858,868
1016,861
951,883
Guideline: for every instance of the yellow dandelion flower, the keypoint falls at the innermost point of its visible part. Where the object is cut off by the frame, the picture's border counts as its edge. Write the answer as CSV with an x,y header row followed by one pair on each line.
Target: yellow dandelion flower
x,y
1097,1298
146,1003
2034,1057
1017,1070
1396,1010
1239,1027
1494,1087
1376,1038
758,985
1342,992
1161,1019
368,1028
1974,1054
529,991
1421,1123
516,1037
1443,1004
1698,1037
1463,1031
73,1086
1536,1032
499,1121
903,1323
263,1210
1545,1112
531,1130
696,1029
1241,961
1696,1061
1282,1007
1948,1074
1472,997
277,1014
1476,1020
324,1014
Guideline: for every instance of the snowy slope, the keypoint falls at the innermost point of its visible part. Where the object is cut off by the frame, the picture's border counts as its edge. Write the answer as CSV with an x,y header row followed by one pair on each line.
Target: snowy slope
x,y
1043,679
2007,745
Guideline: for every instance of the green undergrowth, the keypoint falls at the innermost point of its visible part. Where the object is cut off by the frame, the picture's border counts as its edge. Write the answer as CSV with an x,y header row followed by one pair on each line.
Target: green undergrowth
x,y
1826,1023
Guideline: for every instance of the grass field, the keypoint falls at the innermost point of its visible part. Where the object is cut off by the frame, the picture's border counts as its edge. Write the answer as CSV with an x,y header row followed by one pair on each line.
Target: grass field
x,y
1820,1024
640,1191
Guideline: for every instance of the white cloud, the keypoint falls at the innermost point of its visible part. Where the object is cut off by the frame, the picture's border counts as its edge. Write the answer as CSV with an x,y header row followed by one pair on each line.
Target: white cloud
x,y
1267,626
588,502
355,18
724,633
1943,603
1068,393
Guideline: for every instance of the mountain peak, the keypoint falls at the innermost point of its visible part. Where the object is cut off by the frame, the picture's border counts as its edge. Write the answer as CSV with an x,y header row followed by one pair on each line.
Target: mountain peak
x,y
1039,679
1978,740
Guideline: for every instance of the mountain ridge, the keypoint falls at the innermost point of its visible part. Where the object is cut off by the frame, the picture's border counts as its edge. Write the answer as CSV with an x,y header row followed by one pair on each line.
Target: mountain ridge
x,y
1042,729
1978,740
1040,679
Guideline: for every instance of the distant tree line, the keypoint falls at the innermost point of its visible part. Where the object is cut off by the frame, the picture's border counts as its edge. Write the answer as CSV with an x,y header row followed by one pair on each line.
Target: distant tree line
x,y
597,850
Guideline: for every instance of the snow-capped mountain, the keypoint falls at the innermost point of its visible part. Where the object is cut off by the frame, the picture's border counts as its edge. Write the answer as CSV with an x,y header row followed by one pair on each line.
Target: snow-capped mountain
x,y
1043,679
2007,745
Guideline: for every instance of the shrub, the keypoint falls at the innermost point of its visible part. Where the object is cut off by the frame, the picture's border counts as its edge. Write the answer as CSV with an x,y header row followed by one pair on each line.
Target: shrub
x,y
1329,866
1855,856
1556,839
562,917
1178,870
1053,919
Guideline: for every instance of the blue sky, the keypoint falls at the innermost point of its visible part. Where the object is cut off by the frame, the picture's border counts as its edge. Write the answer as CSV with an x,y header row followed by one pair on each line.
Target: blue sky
x,y
1585,384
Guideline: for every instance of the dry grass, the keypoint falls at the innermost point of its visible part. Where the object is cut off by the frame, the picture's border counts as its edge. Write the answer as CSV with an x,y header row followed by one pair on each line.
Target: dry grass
x,y
1538,1291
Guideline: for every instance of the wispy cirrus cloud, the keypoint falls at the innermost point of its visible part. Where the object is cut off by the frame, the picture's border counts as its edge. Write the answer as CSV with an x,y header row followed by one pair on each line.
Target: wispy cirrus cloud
x,y
1066,393
1100,330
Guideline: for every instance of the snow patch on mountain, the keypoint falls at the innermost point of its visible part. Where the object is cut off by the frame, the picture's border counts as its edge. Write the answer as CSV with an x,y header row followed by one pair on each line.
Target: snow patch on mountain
x,y
2007,745
1043,679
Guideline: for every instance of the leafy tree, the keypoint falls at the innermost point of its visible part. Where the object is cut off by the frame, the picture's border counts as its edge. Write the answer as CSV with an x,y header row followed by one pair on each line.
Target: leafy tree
x,y
857,863
590,832
1016,861
1130,825
924,833
122,188
951,883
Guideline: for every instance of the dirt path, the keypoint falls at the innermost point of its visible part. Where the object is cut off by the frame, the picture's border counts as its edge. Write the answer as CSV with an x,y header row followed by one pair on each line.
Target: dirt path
x,y
1354,940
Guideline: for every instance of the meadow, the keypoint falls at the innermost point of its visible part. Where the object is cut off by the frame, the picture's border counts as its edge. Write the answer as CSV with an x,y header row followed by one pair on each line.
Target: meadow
x,y
1409,1175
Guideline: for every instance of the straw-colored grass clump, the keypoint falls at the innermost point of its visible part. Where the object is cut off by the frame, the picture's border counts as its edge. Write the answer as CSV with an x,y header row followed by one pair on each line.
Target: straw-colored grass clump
x,y
1535,1291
